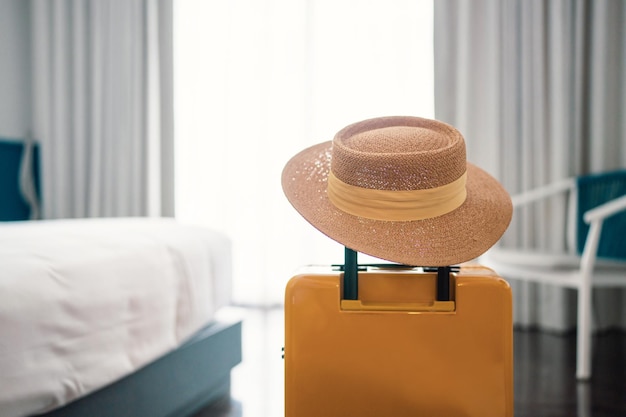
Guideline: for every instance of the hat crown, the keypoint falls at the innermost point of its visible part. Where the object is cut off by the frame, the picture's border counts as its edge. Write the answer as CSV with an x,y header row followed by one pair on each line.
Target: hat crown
x,y
397,139
398,153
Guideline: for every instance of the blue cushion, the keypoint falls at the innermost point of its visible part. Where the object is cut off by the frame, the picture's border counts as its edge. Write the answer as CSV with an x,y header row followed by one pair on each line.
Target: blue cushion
x,y
596,189
12,204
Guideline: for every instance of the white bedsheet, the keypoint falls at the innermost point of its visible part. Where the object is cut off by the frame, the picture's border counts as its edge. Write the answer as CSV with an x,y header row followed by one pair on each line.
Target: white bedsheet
x,y
86,302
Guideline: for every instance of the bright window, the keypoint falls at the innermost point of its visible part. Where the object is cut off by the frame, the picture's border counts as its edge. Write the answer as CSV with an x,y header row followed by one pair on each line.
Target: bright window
x,y
258,81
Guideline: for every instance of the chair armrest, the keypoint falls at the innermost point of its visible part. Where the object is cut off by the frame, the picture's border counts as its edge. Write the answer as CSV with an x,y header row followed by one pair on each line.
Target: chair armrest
x,y
605,210
543,192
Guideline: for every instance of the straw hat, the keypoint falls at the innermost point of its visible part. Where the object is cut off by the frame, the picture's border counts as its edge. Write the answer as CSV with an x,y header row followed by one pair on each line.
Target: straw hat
x,y
400,189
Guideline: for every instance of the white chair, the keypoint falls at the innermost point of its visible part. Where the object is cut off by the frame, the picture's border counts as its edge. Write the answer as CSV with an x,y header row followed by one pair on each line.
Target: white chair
x,y
596,221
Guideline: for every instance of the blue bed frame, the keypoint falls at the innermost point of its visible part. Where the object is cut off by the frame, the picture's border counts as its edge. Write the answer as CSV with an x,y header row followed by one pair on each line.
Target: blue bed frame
x,y
178,384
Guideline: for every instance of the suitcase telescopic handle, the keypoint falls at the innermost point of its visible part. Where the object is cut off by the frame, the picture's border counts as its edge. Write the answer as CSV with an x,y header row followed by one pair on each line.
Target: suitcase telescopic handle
x,y
351,277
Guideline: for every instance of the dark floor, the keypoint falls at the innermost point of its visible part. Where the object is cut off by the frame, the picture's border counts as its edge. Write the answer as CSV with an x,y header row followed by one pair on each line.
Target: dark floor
x,y
545,383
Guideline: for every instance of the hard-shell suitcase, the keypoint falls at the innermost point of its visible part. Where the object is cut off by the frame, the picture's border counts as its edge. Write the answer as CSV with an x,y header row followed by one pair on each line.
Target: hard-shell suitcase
x,y
385,340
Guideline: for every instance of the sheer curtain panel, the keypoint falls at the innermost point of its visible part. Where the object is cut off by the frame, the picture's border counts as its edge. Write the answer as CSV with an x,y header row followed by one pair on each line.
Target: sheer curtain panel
x,y
102,100
539,90
259,80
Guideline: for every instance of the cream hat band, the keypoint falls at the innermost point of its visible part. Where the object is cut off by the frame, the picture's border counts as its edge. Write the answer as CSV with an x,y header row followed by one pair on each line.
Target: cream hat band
x,y
396,205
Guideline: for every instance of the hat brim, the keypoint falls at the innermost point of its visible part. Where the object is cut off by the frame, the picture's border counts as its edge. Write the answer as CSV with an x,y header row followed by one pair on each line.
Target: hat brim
x,y
453,238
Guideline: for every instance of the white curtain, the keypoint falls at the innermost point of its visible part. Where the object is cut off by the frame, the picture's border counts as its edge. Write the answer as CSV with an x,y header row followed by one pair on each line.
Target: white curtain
x,y
256,81
102,102
539,90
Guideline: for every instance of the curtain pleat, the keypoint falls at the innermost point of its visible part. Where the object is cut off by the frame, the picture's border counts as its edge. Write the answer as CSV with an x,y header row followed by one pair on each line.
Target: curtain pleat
x,y
538,90
97,94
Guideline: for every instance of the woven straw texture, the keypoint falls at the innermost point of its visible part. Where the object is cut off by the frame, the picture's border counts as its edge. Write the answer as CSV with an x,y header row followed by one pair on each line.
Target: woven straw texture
x,y
400,153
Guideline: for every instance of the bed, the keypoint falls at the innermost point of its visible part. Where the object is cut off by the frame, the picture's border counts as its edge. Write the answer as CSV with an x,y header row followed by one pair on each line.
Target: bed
x,y
114,317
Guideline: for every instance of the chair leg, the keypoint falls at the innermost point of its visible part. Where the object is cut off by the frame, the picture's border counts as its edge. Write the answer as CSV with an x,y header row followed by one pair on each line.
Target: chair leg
x,y
583,348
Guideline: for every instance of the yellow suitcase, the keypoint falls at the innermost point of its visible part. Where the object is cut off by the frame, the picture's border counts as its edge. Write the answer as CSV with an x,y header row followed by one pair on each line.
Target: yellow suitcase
x,y
384,340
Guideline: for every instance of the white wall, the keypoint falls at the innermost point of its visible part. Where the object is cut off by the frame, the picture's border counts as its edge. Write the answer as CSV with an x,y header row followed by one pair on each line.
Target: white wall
x,y
15,69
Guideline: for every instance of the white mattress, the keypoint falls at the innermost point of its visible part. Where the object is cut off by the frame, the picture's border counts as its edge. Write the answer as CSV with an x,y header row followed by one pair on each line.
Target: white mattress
x,y
86,302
